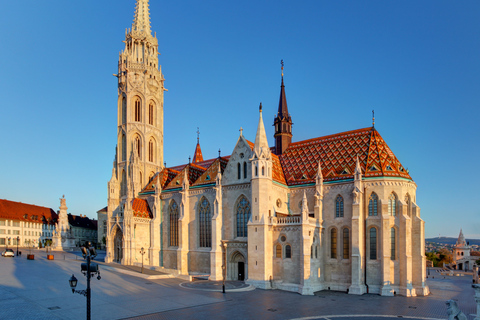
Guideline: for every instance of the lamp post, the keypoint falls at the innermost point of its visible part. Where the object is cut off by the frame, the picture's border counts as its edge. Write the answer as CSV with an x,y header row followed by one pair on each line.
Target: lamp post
x,y
18,240
142,252
224,265
88,269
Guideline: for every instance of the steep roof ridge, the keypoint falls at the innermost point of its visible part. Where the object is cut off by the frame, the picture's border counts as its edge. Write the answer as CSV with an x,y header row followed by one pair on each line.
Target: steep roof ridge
x,y
328,137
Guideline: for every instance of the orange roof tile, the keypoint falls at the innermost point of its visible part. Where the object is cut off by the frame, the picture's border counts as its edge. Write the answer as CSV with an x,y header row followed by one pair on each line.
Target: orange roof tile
x,y
141,209
210,175
194,171
277,171
337,154
26,212
197,157
163,177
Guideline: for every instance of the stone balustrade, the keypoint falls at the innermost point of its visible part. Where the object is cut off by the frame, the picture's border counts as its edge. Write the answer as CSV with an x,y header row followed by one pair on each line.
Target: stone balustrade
x,y
286,220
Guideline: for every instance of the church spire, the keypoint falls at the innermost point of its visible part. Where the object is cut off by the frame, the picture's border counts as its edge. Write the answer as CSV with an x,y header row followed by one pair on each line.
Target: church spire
x,y
282,122
261,143
197,156
141,20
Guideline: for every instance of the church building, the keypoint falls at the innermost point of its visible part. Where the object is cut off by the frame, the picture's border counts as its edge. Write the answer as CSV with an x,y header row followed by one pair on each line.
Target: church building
x,y
336,212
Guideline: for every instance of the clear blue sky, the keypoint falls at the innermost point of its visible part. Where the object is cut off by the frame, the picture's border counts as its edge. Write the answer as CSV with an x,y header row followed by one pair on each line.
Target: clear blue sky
x,y
417,63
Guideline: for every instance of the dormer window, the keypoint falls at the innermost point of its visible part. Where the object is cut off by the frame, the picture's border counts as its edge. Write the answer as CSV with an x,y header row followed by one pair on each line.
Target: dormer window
x,y
344,171
373,168
208,177
388,168
304,177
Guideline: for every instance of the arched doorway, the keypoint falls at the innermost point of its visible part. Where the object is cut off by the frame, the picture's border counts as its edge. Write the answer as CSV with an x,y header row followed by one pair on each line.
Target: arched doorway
x,y
238,267
118,245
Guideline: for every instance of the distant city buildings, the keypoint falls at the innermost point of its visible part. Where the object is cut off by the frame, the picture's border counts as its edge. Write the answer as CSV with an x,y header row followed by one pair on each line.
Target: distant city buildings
x,y
35,226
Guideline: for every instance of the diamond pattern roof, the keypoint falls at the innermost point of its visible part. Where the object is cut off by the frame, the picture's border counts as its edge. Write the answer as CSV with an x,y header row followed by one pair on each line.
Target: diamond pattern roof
x,y
194,171
210,175
141,209
337,154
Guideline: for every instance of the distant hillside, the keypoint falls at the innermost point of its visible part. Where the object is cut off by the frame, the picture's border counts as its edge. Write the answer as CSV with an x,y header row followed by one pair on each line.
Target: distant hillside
x,y
448,240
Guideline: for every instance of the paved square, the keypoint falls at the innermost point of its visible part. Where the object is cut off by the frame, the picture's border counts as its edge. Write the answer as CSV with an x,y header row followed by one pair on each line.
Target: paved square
x,y
39,289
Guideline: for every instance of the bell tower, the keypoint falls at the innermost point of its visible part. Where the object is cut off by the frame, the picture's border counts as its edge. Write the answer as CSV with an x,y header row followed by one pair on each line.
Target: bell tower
x,y
140,105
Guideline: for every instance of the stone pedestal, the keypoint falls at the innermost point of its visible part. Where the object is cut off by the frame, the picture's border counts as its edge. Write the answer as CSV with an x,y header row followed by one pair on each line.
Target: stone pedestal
x,y
477,300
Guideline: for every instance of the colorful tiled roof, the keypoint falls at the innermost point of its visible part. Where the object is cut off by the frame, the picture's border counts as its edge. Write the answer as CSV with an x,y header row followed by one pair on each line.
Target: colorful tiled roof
x,y
337,154
163,177
194,171
26,212
277,171
197,157
141,209
210,175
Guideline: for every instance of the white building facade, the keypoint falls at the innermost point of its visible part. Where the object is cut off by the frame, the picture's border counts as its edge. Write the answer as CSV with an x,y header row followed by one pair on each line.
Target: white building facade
x,y
330,213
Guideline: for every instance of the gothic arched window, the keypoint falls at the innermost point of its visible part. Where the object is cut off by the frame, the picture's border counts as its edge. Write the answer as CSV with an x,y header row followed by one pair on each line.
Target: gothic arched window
x,y
123,184
239,173
137,110
244,170
392,204
392,243
243,213
138,146
150,150
123,147
124,110
288,251
373,243
205,223
339,207
373,205
173,212
346,243
278,251
333,243
150,113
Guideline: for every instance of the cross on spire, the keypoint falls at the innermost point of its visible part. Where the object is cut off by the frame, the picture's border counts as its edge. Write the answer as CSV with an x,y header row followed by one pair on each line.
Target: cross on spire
x,y
198,134
241,131
373,118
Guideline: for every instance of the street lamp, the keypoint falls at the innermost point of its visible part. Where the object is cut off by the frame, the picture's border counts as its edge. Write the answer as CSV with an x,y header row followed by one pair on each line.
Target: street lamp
x,y
18,240
142,252
88,269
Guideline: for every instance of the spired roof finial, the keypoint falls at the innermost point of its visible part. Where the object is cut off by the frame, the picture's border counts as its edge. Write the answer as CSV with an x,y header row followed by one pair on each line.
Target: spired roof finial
x,y
373,118
141,20
281,62
198,135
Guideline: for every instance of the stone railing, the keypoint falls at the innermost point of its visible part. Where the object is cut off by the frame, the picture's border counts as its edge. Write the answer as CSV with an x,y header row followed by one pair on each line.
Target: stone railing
x,y
286,220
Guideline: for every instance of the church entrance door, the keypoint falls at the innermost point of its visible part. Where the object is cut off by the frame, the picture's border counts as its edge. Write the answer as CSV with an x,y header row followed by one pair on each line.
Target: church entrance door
x,y
237,267
241,271
118,245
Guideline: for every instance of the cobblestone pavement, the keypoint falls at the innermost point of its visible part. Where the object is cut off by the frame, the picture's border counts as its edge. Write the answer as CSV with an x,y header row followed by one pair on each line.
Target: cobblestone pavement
x,y
39,289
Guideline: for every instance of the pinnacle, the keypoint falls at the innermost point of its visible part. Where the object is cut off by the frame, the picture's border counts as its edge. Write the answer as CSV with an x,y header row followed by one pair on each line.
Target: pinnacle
x,y
141,21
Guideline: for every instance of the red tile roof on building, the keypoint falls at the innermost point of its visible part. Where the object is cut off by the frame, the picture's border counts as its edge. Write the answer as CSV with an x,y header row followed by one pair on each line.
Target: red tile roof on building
x,y
337,154
141,209
26,212
194,171
210,175
163,177
277,171
197,157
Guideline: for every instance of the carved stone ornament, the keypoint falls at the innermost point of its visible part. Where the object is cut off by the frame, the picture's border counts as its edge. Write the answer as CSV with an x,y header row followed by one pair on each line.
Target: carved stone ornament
x,y
136,79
